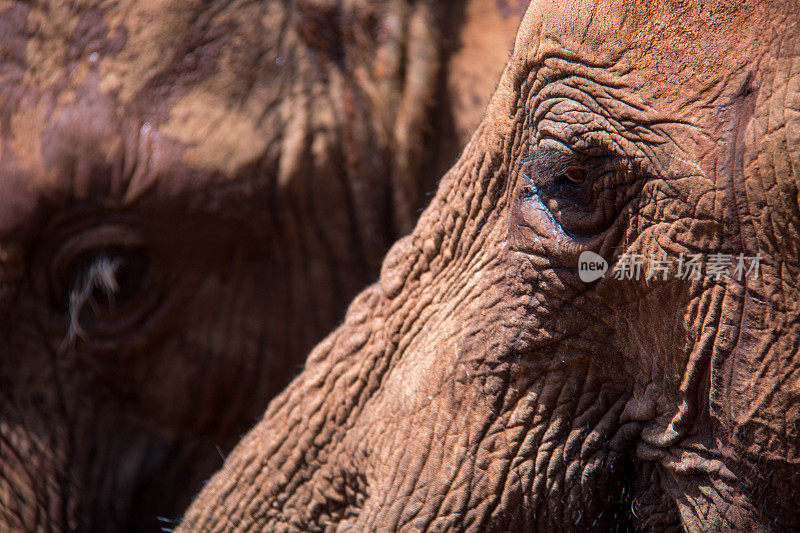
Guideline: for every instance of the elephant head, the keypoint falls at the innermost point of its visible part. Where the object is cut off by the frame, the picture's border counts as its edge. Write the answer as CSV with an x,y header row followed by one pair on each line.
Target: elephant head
x,y
484,384
190,193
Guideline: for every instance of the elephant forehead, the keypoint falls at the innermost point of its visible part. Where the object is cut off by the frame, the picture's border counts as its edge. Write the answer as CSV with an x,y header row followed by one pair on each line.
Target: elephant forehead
x,y
664,63
113,102
144,58
664,42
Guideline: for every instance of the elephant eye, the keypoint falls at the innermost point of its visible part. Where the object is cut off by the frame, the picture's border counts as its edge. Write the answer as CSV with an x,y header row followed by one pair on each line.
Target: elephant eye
x,y
570,177
103,280
583,194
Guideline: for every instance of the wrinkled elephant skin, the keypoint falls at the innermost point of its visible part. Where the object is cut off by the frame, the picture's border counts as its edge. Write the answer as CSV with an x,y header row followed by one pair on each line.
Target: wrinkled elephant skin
x,y
480,385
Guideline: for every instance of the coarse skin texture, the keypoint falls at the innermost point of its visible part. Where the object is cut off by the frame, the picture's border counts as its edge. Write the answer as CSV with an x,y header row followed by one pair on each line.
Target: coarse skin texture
x,y
190,194
480,385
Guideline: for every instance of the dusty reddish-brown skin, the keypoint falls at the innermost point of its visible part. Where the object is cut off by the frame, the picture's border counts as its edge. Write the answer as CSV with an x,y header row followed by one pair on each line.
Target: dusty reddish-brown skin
x,y
481,385
234,171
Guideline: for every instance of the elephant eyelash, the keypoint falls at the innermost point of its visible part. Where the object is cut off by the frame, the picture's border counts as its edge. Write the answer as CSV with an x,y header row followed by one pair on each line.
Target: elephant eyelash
x,y
609,172
100,276
576,177
571,177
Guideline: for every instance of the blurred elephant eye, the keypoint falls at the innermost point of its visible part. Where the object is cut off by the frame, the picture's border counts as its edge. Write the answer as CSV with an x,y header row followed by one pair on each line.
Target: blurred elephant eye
x,y
103,279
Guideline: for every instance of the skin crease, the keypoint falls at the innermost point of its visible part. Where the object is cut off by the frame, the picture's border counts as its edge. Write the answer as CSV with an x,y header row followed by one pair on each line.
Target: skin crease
x,y
481,386
189,195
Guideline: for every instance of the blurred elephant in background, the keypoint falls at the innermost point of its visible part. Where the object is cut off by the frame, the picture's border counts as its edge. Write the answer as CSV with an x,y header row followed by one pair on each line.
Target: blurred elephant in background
x,y
486,383
190,193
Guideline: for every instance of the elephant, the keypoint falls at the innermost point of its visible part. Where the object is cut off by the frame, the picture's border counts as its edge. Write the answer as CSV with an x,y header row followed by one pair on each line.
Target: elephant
x,y
510,370
190,194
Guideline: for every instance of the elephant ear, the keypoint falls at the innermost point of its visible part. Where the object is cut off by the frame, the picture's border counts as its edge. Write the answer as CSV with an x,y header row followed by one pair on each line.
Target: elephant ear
x,y
454,53
392,50
417,96
427,69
